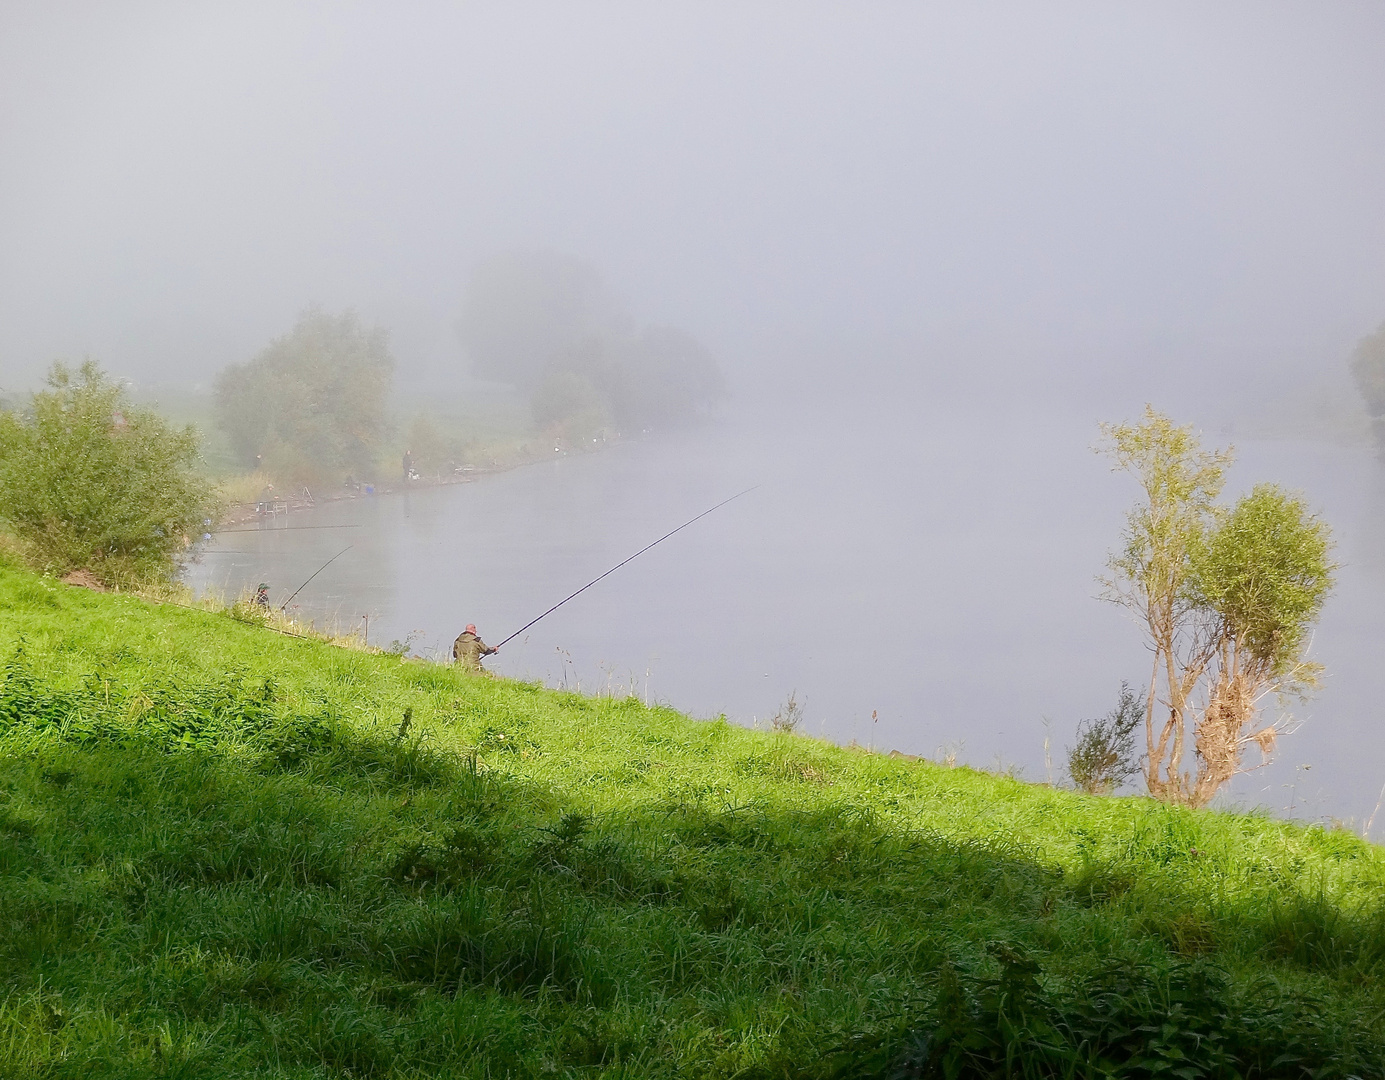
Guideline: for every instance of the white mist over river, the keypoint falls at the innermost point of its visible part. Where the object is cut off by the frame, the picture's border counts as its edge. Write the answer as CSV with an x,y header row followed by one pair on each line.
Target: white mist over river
x,y
924,582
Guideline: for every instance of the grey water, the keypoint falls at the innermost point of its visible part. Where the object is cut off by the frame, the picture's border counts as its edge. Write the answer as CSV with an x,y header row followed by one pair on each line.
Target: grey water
x,y
921,581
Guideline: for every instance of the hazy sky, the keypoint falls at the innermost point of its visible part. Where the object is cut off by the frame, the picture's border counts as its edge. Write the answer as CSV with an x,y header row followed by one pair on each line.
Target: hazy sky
x,y
1049,192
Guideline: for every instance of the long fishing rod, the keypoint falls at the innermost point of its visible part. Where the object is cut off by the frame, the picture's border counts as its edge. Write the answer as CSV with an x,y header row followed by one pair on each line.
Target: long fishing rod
x,y
286,528
319,570
618,565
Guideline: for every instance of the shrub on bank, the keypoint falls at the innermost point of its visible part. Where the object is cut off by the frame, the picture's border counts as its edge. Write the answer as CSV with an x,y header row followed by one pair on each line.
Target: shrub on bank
x,y
88,480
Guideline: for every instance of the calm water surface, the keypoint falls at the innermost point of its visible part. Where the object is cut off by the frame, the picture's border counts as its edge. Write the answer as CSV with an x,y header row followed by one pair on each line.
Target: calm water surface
x,y
924,583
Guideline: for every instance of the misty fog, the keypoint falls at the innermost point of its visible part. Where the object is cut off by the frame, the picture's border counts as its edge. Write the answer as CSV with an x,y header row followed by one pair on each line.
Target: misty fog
x,y
929,247
1035,190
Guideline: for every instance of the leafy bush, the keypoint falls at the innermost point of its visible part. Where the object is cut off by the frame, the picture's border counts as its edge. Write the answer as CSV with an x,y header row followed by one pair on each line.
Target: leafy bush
x,y
1017,1024
88,480
1105,757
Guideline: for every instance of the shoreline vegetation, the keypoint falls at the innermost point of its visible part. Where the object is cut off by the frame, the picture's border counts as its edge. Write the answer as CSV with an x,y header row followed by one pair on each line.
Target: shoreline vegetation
x,y
493,434
310,413
244,492
227,852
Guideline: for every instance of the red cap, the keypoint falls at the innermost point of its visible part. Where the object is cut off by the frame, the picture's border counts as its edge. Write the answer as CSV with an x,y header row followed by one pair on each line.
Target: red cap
x,y
470,628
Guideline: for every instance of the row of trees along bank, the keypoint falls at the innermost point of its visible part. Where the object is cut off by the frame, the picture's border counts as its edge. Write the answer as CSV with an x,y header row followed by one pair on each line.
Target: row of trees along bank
x,y
89,480
313,407
545,323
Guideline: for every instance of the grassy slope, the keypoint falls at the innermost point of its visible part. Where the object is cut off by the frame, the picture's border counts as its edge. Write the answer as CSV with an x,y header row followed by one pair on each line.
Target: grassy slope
x,y
202,877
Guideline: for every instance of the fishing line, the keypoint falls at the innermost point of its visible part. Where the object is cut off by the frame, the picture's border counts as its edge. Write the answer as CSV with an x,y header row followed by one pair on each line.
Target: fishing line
x,y
618,565
319,570
286,528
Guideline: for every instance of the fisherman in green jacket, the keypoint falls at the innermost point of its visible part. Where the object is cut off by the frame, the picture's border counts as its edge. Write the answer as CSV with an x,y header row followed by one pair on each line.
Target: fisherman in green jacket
x,y
468,649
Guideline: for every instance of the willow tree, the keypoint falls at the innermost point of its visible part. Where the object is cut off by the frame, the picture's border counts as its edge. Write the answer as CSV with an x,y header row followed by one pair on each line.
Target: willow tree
x,y
1226,597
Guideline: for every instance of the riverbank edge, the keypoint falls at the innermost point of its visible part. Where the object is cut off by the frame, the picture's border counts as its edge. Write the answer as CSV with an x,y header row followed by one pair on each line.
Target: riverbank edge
x,y
247,512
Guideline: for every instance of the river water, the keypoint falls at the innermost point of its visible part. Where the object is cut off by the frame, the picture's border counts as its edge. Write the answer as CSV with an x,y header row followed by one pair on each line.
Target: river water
x,y
922,582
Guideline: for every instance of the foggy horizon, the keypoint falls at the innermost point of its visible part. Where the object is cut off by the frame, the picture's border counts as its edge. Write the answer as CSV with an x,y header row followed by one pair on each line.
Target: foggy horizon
x,y
1149,204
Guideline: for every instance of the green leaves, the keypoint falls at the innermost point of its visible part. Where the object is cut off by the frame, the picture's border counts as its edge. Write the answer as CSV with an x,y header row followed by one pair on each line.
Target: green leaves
x,y
1105,756
312,406
1227,598
89,480
1265,570
1181,483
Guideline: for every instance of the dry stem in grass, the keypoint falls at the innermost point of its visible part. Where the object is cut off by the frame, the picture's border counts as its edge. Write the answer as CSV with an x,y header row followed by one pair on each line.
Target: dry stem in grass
x,y
789,716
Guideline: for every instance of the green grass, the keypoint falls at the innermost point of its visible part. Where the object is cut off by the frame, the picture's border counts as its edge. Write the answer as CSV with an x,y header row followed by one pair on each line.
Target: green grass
x,y
219,857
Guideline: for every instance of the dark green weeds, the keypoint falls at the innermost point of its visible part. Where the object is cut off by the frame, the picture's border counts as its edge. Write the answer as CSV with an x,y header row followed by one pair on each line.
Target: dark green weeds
x,y
219,857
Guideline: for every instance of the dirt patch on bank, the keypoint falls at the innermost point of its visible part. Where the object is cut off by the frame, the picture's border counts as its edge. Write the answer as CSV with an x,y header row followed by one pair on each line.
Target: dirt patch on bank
x,y
84,579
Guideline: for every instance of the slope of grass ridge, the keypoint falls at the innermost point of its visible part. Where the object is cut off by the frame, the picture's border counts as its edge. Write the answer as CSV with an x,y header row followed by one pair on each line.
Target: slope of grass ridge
x,y
219,857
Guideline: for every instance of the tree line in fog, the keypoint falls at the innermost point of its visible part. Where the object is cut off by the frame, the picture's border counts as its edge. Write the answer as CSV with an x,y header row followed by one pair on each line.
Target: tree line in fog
x,y
313,407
